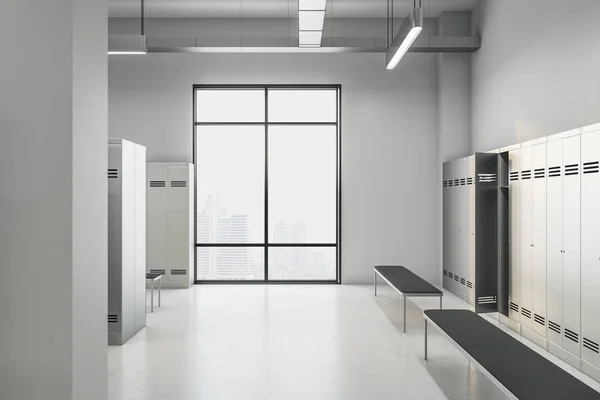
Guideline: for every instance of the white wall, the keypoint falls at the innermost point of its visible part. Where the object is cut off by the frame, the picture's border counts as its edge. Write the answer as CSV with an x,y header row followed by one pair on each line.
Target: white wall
x,y
53,240
538,71
391,172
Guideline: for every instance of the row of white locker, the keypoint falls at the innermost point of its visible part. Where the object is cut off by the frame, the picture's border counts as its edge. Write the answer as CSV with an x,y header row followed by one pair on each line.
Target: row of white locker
x,y
555,252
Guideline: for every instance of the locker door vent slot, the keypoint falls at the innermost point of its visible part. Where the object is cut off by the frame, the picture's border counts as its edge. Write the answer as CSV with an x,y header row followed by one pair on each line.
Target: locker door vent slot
x,y
514,176
179,272
470,180
569,334
462,281
113,173
591,345
592,167
463,182
554,326
178,184
445,272
539,173
514,307
450,183
571,169
539,319
158,184
470,285
526,313
554,172
526,174
450,275
486,178
456,278
113,318
445,184
487,300
456,182
158,271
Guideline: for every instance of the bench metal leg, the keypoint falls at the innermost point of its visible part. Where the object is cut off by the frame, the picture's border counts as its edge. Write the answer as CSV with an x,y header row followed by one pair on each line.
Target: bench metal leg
x,y
404,297
160,286
440,302
375,281
425,340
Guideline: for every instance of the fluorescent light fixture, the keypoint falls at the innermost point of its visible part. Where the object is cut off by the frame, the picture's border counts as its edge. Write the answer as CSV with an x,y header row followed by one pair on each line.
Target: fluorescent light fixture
x,y
127,44
408,33
308,38
311,5
311,20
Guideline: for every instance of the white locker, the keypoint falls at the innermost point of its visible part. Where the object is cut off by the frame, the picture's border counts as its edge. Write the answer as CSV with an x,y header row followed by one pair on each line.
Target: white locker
x,y
554,254
471,262
514,243
158,218
538,266
126,240
526,236
448,242
571,245
590,247
460,204
171,223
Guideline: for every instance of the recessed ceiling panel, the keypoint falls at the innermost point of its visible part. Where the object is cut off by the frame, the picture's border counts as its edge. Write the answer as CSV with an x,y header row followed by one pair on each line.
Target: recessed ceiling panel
x,y
279,8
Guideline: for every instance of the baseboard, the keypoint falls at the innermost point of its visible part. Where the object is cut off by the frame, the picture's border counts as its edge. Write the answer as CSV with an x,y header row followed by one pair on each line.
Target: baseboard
x,y
167,284
534,337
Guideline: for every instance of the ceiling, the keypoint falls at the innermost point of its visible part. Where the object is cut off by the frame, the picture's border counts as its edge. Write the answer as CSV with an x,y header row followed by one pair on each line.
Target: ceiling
x,y
276,8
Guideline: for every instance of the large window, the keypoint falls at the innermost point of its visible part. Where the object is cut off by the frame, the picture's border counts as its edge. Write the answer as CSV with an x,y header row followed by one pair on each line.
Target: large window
x,y
267,183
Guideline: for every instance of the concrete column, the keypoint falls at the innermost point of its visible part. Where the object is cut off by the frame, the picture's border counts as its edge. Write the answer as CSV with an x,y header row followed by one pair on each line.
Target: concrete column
x,y
53,199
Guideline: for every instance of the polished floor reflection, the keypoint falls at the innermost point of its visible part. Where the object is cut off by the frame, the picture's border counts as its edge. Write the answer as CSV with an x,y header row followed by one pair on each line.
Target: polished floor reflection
x,y
291,342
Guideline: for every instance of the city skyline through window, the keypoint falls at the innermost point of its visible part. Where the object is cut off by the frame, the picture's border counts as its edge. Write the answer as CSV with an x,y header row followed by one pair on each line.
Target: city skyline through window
x,y
267,192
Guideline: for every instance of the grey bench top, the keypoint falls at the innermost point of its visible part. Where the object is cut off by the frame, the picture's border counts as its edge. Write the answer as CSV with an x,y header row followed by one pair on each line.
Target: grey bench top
x,y
151,276
406,281
522,371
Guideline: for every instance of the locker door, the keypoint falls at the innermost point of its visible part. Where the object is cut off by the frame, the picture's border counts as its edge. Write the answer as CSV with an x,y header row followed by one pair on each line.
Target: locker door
x,y
179,223
526,223
460,206
158,218
571,245
448,240
590,248
538,269
554,228
470,277
514,243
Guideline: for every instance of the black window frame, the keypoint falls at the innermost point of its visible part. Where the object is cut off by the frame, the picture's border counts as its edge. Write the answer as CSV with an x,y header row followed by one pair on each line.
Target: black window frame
x,y
266,245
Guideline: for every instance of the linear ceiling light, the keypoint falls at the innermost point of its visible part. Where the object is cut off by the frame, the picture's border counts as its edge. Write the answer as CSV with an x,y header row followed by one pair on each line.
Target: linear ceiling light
x,y
130,44
408,33
311,18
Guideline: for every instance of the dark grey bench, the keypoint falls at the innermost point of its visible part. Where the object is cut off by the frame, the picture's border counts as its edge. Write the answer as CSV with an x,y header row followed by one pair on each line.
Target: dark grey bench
x,y
406,283
519,371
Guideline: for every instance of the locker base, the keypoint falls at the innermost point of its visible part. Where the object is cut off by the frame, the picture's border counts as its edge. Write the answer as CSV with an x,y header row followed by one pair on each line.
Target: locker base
x,y
509,322
534,337
590,370
565,355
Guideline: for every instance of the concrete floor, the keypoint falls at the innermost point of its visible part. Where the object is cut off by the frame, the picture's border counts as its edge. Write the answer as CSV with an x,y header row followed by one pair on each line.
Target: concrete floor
x,y
291,342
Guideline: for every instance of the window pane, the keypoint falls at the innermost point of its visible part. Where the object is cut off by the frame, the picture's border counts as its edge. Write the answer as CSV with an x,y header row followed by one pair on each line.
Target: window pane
x,y
230,165
230,105
302,184
303,105
230,263
302,263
